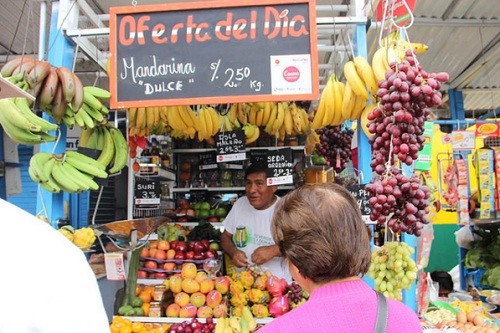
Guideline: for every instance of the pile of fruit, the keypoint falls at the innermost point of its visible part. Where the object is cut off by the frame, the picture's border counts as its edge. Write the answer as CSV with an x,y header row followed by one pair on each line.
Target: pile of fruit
x,y
163,258
121,325
84,238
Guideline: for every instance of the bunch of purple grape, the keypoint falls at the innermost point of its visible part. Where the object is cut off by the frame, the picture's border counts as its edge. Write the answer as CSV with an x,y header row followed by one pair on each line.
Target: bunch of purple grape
x,y
400,200
406,97
296,294
335,146
193,326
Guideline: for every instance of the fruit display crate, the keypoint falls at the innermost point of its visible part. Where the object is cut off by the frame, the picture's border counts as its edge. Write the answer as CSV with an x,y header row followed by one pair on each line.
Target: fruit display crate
x,y
173,320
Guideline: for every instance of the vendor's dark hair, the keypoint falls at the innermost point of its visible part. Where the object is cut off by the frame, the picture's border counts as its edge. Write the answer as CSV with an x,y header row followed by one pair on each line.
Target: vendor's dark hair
x,y
256,167
443,278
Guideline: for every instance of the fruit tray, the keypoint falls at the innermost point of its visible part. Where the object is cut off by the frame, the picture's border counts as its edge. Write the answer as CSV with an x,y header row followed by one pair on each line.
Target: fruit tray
x,y
177,261
159,270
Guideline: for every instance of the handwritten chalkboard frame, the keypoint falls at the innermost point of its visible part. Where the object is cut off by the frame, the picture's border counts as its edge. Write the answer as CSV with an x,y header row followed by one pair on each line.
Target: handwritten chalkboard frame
x,y
213,97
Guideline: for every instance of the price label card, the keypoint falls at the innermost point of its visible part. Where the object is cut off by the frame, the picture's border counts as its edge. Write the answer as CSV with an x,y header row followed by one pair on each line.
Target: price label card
x,y
115,268
230,146
147,191
207,161
279,166
361,196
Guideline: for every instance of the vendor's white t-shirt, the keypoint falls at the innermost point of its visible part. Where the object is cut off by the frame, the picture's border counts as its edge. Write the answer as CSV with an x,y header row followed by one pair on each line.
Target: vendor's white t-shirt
x,y
46,283
257,224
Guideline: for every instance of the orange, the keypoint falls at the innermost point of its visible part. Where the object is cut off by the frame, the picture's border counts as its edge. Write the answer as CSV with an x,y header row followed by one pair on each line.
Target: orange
x,y
145,296
126,329
137,327
145,307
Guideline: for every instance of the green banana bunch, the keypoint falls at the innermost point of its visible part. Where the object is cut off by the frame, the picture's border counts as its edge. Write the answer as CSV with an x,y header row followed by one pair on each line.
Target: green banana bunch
x,y
71,172
92,111
110,141
22,125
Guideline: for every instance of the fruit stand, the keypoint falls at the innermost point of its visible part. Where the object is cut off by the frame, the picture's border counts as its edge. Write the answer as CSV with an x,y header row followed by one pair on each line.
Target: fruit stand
x,y
181,152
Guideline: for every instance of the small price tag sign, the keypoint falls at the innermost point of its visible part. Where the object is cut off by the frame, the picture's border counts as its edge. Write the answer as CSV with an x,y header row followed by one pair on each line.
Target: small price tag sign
x,y
230,146
115,268
207,161
279,166
361,196
147,191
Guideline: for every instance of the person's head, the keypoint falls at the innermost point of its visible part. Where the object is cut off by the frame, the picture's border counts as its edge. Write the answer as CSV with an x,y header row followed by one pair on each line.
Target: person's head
x,y
320,231
443,278
258,193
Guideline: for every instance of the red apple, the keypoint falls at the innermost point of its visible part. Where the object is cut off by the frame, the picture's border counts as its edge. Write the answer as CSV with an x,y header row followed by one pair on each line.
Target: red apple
x,y
181,246
190,245
160,275
211,254
199,256
173,244
205,243
183,204
199,247
189,255
150,264
179,255
142,274
213,219
182,219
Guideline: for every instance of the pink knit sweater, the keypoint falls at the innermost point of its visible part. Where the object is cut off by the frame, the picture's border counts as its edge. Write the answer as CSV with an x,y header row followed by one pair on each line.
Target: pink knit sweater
x,y
344,307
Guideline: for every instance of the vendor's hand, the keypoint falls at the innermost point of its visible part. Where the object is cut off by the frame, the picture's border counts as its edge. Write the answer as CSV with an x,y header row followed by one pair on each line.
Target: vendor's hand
x,y
264,254
240,259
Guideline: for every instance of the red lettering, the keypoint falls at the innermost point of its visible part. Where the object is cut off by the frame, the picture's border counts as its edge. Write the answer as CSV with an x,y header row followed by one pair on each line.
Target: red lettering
x,y
157,32
271,13
298,20
174,36
190,26
239,29
253,24
141,27
127,23
224,24
202,36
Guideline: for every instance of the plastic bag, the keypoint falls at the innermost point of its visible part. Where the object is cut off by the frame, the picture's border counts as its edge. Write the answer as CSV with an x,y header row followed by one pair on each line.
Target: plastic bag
x,y
464,237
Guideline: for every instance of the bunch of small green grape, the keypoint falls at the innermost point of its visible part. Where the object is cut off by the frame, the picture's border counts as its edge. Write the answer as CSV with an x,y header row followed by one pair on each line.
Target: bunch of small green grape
x,y
393,269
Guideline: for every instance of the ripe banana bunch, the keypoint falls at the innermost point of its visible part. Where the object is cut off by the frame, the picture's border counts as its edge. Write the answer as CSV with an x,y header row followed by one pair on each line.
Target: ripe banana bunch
x,y
143,121
252,133
92,111
208,123
235,324
22,125
330,109
27,73
358,85
110,141
393,49
71,172
312,139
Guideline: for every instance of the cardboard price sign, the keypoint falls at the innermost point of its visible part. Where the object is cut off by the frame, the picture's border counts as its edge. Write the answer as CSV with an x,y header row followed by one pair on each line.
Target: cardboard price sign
x,y
147,192
205,52
279,166
230,146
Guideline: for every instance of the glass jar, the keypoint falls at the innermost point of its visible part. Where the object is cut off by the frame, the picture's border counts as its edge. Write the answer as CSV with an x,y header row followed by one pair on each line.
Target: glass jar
x,y
154,309
159,292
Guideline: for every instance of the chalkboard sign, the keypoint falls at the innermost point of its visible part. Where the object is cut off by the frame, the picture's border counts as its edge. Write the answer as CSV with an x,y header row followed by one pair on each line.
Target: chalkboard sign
x,y
147,191
230,146
207,161
361,195
279,166
198,52
258,156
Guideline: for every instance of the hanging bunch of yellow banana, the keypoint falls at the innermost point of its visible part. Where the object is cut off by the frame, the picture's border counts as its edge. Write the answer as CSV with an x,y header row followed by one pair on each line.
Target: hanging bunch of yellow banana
x,y
143,121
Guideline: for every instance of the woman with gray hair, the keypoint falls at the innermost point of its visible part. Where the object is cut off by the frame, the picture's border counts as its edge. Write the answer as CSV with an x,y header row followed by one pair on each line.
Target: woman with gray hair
x,y
322,237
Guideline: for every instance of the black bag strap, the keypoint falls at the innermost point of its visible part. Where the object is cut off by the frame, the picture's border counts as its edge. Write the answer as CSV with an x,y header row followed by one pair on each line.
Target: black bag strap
x,y
382,314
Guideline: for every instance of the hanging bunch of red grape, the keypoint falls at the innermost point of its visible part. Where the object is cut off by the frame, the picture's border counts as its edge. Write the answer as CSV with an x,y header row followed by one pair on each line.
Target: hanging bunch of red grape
x,y
406,98
335,146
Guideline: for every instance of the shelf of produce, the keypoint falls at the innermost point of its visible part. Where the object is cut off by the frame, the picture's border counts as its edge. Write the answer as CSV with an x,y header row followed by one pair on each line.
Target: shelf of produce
x,y
156,171
222,189
202,150
173,320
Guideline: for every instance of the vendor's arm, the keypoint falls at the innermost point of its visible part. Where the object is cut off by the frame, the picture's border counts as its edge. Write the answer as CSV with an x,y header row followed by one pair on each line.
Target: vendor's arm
x,y
239,257
265,253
